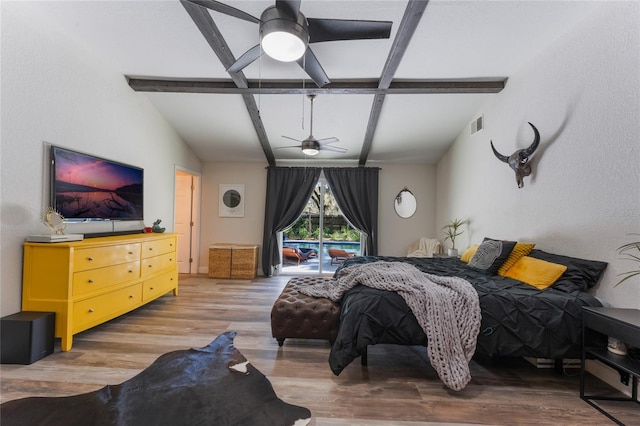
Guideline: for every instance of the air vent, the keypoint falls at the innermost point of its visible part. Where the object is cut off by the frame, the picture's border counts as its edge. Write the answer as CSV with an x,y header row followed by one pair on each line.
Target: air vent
x,y
477,124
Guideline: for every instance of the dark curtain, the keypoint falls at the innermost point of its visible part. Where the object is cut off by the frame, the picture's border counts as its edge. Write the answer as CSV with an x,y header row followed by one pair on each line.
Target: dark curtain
x,y
288,190
356,192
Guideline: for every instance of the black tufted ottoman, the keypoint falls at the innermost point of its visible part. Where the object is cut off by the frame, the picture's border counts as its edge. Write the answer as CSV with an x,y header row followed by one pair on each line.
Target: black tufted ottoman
x,y
297,315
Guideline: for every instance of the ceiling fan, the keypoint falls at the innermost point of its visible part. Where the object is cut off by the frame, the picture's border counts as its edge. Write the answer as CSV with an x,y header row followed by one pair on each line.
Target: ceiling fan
x,y
285,34
312,146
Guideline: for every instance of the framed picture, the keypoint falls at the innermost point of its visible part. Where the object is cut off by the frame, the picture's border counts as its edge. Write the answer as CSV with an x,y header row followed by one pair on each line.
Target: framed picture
x,y
231,203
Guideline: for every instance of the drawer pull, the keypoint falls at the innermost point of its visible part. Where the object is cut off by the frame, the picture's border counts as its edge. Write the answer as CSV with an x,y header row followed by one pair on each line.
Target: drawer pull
x,y
91,310
131,296
90,281
151,288
90,259
150,266
130,271
130,252
150,248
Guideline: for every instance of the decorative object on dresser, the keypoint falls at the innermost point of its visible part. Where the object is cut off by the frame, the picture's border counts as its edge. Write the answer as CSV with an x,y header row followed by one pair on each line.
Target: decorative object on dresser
x,y
92,281
519,160
55,222
213,385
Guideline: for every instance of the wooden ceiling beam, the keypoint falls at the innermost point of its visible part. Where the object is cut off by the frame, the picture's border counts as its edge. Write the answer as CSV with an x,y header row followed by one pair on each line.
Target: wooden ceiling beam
x,y
213,36
412,15
345,87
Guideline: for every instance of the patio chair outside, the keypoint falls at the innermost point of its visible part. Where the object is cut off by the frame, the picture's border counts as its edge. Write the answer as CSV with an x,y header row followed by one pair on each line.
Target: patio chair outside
x,y
339,256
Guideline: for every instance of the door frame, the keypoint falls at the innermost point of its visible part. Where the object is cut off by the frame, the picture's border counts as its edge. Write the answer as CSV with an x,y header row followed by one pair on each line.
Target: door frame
x,y
194,237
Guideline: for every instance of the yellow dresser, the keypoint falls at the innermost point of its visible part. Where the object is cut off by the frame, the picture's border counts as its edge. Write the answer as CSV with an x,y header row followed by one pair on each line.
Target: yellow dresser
x,y
91,281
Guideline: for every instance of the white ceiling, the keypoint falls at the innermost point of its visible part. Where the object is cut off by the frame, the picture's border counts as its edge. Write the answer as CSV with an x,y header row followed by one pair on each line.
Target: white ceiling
x,y
454,40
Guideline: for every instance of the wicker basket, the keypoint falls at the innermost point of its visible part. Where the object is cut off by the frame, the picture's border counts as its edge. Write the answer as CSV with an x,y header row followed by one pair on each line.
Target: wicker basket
x,y
244,261
228,260
220,261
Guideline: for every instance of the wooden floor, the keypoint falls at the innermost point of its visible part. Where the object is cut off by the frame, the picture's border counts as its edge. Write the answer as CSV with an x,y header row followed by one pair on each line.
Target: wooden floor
x,y
397,388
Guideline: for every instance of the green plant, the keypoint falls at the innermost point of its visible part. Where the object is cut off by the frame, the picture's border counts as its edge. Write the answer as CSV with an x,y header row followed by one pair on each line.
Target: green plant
x,y
630,251
451,230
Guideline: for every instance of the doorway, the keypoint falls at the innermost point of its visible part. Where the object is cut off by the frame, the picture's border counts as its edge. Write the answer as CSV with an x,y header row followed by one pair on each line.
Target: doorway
x,y
320,230
186,220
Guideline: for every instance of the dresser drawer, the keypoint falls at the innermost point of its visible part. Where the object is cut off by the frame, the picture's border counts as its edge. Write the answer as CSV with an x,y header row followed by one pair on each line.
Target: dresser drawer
x,y
98,257
157,286
156,247
94,279
96,309
155,264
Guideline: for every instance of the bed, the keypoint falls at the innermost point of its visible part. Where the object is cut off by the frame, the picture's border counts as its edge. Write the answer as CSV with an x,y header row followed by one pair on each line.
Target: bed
x,y
518,319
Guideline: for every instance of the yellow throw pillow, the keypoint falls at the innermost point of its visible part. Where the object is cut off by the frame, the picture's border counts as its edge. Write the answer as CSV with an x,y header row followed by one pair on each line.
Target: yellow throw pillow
x,y
521,249
468,253
538,273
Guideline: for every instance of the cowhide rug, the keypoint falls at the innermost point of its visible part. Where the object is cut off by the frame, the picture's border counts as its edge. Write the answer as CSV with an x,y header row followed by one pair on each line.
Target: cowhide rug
x,y
213,385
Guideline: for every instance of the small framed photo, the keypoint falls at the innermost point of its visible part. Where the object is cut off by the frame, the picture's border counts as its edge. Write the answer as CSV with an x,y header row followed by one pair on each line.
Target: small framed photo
x,y
231,203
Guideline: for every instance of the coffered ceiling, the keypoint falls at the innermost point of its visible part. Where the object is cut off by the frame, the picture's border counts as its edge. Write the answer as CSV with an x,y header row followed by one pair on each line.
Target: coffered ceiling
x,y
403,99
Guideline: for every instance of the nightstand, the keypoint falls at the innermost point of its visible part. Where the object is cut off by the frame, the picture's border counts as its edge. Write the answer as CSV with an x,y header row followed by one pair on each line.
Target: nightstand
x,y
622,324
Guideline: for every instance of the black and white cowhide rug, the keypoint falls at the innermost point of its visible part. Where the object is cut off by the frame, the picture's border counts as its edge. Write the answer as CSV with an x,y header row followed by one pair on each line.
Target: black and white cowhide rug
x,y
213,385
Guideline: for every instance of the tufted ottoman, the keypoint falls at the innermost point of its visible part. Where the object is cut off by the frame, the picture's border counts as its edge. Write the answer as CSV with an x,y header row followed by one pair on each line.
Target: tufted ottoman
x,y
297,315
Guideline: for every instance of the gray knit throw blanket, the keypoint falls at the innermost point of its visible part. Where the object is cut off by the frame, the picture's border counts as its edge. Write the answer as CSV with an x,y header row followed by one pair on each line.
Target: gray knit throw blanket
x,y
447,309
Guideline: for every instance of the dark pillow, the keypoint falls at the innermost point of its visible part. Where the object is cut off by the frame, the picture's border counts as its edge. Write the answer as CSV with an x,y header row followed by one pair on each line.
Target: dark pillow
x,y
581,274
490,255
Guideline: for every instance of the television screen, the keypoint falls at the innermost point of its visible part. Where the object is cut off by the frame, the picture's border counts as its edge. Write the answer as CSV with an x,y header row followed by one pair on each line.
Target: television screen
x,y
91,188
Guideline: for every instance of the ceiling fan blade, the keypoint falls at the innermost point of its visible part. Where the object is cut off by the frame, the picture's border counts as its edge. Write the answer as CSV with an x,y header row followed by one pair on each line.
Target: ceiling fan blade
x,y
343,29
227,10
312,67
333,148
287,137
325,141
246,59
290,7
289,146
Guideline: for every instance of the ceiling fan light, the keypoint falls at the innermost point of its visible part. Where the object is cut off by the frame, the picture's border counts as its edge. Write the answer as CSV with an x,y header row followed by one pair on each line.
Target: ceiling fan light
x,y
310,151
281,37
310,147
283,46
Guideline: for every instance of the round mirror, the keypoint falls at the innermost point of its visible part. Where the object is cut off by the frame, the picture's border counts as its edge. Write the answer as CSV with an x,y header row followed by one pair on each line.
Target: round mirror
x,y
405,204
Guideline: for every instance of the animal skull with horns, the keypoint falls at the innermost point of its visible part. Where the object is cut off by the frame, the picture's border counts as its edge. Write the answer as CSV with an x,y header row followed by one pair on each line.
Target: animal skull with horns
x,y
519,160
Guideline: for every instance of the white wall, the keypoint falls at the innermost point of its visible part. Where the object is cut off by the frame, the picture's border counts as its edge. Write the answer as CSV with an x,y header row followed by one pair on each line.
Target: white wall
x,y
583,94
395,234
56,92
237,230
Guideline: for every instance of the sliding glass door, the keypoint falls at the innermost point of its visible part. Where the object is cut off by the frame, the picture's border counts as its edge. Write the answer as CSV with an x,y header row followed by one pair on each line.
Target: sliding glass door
x,y
321,238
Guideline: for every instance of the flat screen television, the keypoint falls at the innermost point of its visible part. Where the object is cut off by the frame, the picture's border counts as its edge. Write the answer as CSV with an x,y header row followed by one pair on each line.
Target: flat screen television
x,y
88,188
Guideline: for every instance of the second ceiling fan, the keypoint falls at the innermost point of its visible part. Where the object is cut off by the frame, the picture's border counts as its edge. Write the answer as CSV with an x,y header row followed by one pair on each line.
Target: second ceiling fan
x,y
285,34
312,146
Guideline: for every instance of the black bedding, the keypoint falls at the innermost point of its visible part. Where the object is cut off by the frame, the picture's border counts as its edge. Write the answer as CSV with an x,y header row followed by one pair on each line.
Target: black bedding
x,y
517,319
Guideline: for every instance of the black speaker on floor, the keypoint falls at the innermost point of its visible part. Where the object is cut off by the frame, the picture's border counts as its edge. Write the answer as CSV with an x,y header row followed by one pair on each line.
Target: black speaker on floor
x,y
26,337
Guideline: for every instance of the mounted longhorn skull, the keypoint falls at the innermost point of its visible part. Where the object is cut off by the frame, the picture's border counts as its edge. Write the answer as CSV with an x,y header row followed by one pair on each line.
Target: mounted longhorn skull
x,y
519,160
